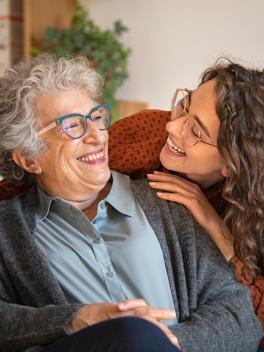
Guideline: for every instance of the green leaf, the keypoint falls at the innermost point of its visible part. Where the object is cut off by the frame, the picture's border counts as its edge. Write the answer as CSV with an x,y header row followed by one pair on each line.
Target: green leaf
x,y
102,47
119,28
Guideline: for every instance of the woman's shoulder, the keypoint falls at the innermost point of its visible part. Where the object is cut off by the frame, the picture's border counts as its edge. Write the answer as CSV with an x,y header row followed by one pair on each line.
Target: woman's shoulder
x,y
152,204
143,191
22,198
9,190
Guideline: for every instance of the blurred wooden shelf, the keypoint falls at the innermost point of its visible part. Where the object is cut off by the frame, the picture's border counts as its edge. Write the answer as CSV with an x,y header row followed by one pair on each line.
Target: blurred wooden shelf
x,y
127,107
39,14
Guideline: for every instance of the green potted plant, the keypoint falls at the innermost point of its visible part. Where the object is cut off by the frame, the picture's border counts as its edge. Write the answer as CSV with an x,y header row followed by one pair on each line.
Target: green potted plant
x,y
102,47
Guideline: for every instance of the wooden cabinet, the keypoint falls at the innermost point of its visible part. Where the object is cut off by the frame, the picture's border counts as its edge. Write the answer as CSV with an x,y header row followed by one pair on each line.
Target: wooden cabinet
x,y
39,14
128,107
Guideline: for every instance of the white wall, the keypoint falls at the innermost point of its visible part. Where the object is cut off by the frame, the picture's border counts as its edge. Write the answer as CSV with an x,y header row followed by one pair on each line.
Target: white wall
x,y
173,41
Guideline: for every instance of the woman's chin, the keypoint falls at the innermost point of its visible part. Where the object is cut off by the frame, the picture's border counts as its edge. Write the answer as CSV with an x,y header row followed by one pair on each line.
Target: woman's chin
x,y
170,165
102,177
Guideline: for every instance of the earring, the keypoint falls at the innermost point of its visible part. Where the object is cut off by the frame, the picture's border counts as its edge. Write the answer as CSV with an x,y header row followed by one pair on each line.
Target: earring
x,y
17,173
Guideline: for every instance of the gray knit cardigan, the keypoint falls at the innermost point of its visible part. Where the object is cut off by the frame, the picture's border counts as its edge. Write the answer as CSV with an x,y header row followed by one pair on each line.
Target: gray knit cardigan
x,y
214,312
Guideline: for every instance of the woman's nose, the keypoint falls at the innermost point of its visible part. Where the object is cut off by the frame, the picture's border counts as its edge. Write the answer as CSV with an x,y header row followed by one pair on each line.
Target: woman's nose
x,y
174,127
93,134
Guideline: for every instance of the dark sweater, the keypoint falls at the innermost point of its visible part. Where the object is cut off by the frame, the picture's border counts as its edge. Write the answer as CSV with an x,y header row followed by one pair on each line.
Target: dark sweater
x,y
214,312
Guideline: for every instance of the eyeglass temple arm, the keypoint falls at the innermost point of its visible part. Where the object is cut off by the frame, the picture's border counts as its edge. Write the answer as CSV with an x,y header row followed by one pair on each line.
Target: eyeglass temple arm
x,y
213,145
47,128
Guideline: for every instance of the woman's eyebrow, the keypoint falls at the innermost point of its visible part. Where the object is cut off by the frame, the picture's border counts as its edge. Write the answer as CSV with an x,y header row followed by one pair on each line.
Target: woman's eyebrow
x,y
199,121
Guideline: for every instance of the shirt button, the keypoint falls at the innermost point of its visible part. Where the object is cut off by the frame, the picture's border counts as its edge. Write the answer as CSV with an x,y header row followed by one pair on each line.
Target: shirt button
x,y
102,205
97,240
110,274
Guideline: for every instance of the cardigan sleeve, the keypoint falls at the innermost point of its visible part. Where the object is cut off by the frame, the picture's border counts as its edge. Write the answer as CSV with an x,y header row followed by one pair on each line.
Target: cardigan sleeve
x,y
24,326
33,310
214,311
223,319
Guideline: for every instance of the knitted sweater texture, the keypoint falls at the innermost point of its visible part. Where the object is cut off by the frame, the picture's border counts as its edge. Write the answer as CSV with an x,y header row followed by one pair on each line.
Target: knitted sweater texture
x,y
214,312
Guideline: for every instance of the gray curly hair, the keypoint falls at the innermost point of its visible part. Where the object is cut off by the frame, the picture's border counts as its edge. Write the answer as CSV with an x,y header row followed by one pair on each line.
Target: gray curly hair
x,y
21,85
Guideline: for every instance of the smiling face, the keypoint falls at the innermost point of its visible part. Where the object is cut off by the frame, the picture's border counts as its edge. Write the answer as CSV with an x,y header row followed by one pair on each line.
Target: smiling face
x,y
201,162
74,169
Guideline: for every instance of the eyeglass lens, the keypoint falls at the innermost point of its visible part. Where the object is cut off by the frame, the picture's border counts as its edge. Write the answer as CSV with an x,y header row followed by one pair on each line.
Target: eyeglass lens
x,y
190,129
180,103
75,125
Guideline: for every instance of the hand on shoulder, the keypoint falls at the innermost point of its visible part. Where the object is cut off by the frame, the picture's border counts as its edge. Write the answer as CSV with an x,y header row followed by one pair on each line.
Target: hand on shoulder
x,y
177,189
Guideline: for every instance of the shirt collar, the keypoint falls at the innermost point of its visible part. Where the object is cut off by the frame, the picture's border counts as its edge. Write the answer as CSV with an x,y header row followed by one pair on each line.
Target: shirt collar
x,y
44,204
121,196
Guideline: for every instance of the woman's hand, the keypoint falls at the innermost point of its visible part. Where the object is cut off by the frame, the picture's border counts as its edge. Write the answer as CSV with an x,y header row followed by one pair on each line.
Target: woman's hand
x,y
91,314
139,308
189,194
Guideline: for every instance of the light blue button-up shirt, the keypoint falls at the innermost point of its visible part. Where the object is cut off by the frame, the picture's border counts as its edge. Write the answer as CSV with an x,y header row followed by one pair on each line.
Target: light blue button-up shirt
x,y
114,257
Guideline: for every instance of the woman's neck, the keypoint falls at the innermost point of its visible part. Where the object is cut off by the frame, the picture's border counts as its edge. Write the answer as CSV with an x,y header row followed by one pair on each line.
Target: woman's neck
x,y
85,200
93,200
82,205
205,181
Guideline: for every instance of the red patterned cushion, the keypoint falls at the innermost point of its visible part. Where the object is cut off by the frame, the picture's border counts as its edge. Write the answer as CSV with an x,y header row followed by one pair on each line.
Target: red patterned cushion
x,y
135,142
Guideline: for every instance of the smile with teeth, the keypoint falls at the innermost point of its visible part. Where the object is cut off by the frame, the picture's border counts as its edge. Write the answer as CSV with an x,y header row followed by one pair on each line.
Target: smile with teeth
x,y
91,157
174,148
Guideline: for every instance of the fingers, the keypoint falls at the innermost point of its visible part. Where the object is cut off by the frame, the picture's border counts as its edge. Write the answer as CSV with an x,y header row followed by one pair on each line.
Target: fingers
x,y
154,315
200,207
177,189
175,197
164,328
163,177
148,311
94,313
90,314
160,313
131,304
171,187
173,179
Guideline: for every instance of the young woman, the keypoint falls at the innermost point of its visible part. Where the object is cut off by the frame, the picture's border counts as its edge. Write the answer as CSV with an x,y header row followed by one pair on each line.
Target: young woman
x,y
215,145
216,135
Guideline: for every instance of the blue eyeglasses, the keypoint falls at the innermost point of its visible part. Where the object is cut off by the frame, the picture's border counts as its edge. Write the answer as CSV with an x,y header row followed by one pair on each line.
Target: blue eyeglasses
x,y
75,125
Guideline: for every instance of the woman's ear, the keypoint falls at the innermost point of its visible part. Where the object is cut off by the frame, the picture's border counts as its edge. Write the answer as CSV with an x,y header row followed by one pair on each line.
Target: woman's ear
x,y
28,164
224,171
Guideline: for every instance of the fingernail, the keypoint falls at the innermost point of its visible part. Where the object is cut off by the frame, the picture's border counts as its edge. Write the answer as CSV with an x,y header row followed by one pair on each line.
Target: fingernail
x,y
174,341
152,183
173,314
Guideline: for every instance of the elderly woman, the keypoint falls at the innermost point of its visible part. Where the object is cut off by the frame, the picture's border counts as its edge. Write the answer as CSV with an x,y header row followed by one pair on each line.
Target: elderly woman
x,y
85,245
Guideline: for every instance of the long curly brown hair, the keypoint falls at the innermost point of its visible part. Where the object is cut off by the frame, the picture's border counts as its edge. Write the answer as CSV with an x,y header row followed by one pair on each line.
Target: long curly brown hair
x,y
240,108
